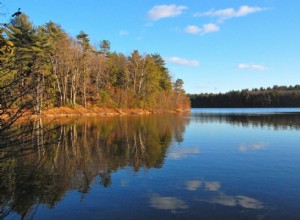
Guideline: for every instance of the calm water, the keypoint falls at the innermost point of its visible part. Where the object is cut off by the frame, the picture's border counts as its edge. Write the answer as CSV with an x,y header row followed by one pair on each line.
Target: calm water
x,y
211,164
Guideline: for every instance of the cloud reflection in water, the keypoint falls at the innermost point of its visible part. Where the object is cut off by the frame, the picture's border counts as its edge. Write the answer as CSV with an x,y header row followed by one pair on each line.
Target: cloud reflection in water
x,y
193,185
254,146
243,201
167,203
212,186
221,198
182,153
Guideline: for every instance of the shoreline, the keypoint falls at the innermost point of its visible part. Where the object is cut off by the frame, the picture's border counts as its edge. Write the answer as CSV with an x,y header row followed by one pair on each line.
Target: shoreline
x,y
97,111
79,111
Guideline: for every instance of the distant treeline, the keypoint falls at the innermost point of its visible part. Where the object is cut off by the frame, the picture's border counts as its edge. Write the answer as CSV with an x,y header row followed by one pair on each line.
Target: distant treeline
x,y
278,96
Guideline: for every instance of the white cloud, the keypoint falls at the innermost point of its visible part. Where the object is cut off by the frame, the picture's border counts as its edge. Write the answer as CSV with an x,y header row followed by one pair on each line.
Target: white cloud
x,y
123,33
224,14
192,29
252,67
207,28
183,61
165,11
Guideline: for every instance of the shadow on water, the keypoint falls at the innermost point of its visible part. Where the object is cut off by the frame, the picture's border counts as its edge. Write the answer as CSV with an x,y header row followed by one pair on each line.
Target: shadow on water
x,y
40,163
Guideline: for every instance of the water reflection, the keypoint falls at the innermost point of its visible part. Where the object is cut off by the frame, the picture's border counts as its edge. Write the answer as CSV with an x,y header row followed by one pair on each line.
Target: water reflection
x,y
252,146
193,185
220,197
243,201
183,153
204,192
212,186
196,184
154,166
167,203
277,121
81,150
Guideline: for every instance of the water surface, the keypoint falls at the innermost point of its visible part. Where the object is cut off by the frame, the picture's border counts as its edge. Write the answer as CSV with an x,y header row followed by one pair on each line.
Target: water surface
x,y
211,164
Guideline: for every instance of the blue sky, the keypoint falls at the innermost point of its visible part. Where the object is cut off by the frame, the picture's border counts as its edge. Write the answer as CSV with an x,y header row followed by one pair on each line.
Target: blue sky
x,y
213,45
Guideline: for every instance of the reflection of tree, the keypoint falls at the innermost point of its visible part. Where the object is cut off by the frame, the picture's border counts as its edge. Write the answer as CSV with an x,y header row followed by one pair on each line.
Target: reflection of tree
x,y
276,121
105,178
82,150
22,149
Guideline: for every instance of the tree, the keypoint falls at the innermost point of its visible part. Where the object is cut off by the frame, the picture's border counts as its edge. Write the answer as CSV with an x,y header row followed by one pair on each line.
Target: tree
x,y
150,83
31,56
136,67
16,89
165,78
105,47
8,83
59,55
279,96
178,85
44,67
84,42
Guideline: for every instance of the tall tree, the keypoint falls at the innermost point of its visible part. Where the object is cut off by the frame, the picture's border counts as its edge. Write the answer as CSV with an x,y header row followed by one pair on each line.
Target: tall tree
x,y
59,56
84,42
9,94
165,78
105,47
31,56
136,67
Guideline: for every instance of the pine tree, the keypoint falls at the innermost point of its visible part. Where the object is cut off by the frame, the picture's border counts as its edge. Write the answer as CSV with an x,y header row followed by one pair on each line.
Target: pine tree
x,y
84,42
31,58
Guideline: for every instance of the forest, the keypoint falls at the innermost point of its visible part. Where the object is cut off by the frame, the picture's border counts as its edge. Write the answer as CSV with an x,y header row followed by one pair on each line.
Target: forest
x,y
44,67
277,96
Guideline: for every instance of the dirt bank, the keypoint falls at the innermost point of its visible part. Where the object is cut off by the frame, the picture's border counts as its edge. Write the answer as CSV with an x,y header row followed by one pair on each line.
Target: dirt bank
x,y
96,111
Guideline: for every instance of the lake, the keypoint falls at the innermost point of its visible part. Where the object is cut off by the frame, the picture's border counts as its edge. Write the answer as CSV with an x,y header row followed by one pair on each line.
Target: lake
x,y
208,164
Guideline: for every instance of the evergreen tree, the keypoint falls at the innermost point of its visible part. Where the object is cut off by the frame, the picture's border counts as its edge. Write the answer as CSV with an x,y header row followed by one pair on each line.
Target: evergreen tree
x,y
105,47
165,79
31,57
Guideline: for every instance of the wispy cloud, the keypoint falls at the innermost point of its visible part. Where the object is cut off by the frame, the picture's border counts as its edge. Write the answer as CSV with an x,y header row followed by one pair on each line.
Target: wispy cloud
x,y
252,67
228,13
165,11
183,61
207,28
193,29
123,33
